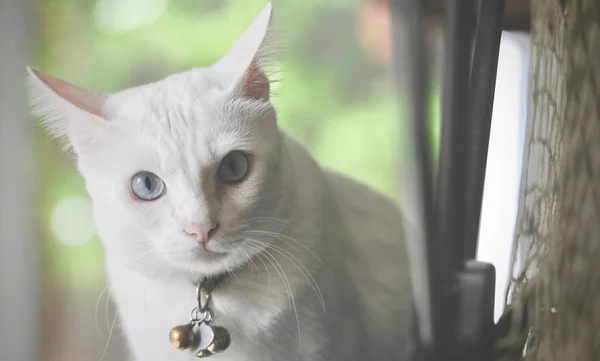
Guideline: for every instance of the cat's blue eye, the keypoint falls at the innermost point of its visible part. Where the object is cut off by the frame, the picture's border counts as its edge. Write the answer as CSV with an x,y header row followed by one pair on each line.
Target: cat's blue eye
x,y
233,167
147,186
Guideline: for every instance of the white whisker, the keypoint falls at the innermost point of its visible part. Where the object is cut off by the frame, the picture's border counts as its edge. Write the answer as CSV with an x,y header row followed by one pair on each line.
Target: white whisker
x,y
288,286
279,221
112,327
262,250
249,260
259,255
109,336
145,254
146,299
303,270
284,238
106,308
96,312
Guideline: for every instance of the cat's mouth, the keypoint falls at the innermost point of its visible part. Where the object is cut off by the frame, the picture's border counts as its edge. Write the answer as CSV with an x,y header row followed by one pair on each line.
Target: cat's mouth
x,y
216,255
206,253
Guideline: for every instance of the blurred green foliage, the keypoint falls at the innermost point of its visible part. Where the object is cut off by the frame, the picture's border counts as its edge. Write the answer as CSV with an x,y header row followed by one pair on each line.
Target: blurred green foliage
x,y
331,97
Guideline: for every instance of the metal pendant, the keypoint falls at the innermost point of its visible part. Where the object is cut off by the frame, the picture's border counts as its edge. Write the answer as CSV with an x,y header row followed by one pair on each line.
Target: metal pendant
x,y
183,336
200,334
213,339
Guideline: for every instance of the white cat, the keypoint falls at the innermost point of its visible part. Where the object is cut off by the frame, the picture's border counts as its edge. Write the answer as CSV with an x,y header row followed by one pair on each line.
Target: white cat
x,y
191,177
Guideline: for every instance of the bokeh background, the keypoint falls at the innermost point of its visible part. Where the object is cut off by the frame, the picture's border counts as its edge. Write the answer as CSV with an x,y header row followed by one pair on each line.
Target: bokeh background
x,y
334,96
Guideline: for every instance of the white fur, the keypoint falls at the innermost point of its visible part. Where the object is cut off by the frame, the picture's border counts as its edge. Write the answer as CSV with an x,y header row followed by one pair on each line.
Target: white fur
x,y
319,266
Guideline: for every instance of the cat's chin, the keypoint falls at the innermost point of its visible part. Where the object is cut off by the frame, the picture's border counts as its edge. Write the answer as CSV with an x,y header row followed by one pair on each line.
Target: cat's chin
x,y
206,261
201,255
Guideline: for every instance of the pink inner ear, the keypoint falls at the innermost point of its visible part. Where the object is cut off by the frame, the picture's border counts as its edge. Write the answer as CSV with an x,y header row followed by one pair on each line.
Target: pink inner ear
x,y
83,99
255,83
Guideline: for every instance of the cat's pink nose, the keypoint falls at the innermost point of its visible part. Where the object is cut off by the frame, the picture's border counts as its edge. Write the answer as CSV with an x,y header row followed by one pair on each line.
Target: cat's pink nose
x,y
200,231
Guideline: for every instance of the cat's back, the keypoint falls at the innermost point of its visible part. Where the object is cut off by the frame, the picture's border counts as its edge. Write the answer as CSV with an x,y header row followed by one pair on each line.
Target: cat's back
x,y
374,221
379,260
369,214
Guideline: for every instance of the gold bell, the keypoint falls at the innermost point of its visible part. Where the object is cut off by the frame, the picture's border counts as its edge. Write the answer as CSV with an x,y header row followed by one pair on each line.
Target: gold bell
x,y
182,336
215,339
221,340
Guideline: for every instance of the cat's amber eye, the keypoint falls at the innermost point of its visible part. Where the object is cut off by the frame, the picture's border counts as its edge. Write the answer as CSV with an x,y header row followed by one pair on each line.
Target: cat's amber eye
x,y
233,167
147,186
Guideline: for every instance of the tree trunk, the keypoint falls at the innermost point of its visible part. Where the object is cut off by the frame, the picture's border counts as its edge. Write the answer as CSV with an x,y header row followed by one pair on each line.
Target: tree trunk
x,y
559,213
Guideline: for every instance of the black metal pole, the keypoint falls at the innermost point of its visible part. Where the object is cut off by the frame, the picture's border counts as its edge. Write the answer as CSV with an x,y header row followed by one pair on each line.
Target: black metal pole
x,y
453,299
481,97
452,174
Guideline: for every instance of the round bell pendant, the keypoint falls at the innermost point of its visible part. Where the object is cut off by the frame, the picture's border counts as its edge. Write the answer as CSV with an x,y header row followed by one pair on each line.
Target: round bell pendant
x,y
183,336
221,340
213,339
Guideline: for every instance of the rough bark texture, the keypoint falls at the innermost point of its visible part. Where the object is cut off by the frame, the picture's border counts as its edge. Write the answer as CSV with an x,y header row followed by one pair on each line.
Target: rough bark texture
x,y
560,201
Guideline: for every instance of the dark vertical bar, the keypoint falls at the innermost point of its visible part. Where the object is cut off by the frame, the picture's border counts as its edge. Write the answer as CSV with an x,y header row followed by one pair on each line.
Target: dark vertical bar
x,y
410,47
455,124
481,95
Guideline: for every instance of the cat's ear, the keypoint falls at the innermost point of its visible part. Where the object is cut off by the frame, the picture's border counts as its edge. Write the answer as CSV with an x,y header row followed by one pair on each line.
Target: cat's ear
x,y
70,113
244,66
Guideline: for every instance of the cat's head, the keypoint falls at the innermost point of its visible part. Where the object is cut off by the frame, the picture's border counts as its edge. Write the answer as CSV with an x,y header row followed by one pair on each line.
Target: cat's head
x,y
180,169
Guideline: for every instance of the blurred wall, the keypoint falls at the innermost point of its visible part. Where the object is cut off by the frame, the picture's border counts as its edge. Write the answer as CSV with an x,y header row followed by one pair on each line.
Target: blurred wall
x,y
20,321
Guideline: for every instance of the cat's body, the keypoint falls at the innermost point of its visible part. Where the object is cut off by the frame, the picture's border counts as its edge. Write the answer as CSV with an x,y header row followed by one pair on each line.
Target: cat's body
x,y
365,285
190,177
